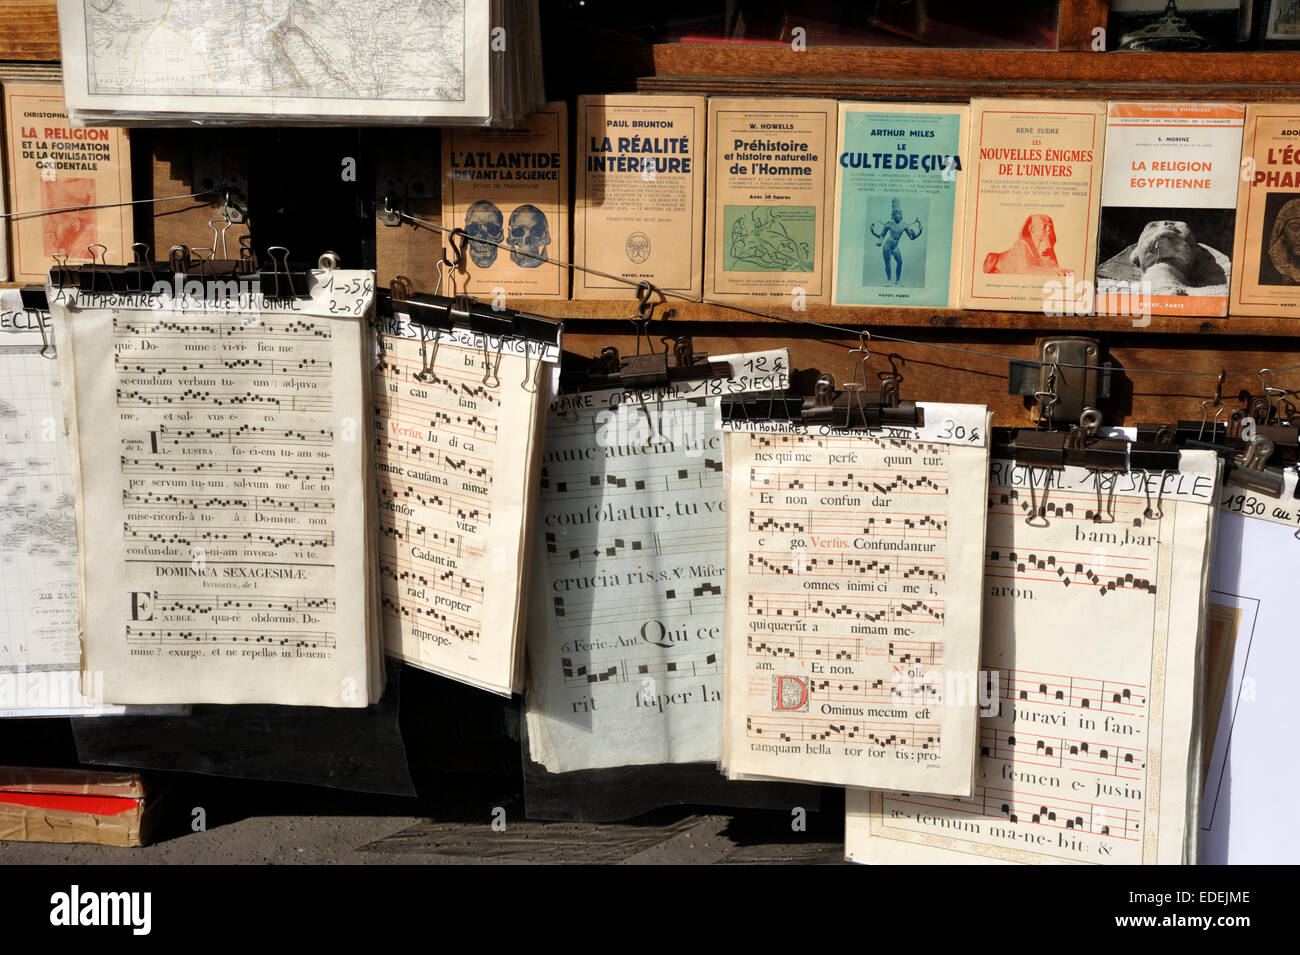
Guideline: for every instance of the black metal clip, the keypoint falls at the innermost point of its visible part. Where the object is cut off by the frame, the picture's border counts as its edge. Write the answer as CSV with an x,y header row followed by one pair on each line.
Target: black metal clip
x,y
677,363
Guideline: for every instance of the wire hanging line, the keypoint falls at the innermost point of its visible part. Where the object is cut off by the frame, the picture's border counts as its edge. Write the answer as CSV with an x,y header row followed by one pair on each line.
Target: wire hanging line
x,y
103,205
839,329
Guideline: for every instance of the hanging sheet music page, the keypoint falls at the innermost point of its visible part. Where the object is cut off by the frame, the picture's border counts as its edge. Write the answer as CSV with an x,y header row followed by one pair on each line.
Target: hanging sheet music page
x,y
853,594
625,640
220,452
1094,588
1250,708
40,655
457,419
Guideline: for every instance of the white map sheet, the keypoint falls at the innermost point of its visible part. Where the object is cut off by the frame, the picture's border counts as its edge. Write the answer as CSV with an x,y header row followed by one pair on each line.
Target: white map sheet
x,y
359,58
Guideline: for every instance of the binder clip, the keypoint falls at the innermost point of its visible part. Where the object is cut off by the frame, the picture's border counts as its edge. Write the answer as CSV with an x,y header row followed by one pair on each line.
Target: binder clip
x,y
851,407
1081,447
676,363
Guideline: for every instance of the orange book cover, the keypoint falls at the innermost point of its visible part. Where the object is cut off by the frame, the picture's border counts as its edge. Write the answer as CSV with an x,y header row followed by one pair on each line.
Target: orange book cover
x,y
1032,196
55,165
511,187
1266,248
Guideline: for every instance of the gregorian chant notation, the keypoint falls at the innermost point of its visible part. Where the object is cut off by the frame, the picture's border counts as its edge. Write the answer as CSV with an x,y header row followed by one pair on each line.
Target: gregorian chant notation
x,y
634,671
419,573
859,521
1104,573
187,603
1014,807
167,465
586,549
299,639
870,480
266,328
812,563
790,729
298,368
463,382
436,543
461,506
580,609
811,647
431,456
1069,506
904,690
870,609
166,397
414,416
195,535
164,437
670,478
1081,755
458,625
1056,690
259,505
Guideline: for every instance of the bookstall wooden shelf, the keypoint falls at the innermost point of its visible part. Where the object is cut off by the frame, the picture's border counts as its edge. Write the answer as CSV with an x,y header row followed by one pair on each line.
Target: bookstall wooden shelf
x,y
1198,345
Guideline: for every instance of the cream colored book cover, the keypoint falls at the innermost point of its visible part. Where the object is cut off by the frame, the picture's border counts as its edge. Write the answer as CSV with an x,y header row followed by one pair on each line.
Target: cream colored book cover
x,y
1266,248
639,204
1032,205
54,165
770,183
509,190
900,194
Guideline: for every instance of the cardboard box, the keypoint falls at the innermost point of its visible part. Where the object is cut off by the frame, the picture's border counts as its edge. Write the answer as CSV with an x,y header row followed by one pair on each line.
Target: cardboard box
x,y
75,806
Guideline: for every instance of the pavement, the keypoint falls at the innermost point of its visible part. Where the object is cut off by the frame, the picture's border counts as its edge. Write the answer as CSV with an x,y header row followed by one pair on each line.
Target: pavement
x,y
471,820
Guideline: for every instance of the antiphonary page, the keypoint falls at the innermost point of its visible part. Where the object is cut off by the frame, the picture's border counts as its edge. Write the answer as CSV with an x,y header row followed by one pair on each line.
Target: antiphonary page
x,y
456,416
626,624
853,594
1093,587
220,449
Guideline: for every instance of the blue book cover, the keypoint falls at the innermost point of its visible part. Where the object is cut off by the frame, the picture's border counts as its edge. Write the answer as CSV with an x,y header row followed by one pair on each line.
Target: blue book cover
x,y
899,186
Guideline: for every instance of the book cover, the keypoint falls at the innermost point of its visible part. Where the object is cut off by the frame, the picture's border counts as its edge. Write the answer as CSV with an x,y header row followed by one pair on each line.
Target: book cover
x,y
639,203
511,187
1031,205
1168,206
1266,248
900,187
54,165
769,189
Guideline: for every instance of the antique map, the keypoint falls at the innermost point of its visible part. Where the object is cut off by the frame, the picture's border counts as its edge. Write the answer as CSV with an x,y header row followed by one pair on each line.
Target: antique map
x,y
345,57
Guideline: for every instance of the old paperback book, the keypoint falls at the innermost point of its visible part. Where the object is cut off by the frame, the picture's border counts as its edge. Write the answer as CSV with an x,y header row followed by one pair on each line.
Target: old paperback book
x,y
457,420
1266,250
1168,206
625,642
509,189
56,166
638,211
1031,205
1094,599
770,181
221,467
899,194
852,588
